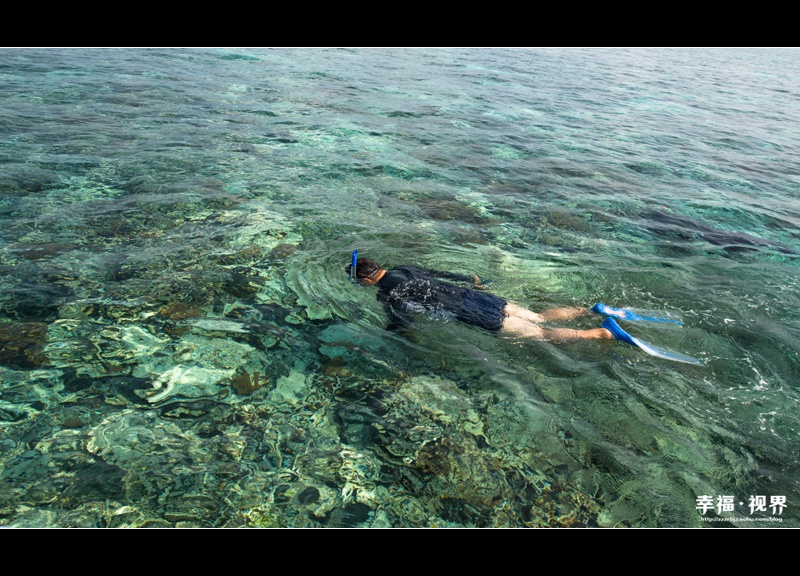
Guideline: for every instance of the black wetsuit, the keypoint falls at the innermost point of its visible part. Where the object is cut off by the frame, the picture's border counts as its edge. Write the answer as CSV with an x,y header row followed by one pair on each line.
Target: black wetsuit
x,y
408,289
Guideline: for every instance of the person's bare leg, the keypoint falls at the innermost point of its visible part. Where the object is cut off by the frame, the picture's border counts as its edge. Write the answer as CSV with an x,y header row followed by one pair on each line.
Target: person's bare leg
x,y
515,326
552,315
556,314
516,311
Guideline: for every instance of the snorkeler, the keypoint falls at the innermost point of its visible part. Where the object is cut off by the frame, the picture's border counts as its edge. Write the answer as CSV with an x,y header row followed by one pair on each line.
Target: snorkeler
x,y
409,289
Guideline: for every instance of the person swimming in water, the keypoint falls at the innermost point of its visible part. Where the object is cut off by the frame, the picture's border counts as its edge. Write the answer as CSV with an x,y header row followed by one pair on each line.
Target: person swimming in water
x,y
409,289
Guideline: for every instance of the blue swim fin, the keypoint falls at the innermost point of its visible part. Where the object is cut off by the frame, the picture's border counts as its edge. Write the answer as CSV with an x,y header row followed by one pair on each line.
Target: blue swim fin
x,y
611,325
624,314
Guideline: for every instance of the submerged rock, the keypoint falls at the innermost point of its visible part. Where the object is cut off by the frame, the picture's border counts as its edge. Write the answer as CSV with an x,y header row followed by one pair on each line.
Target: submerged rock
x,y
36,300
350,516
281,252
673,226
245,385
37,251
21,344
179,311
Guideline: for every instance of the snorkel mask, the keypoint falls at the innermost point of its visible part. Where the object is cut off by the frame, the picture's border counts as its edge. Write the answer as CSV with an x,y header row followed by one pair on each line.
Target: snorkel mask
x,y
353,278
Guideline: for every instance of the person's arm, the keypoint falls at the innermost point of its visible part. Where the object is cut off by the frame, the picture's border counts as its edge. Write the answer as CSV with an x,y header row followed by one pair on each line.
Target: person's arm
x,y
477,283
398,319
473,278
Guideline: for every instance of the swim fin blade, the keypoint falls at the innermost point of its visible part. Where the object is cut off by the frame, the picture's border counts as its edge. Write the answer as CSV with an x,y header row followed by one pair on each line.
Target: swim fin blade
x,y
611,325
625,314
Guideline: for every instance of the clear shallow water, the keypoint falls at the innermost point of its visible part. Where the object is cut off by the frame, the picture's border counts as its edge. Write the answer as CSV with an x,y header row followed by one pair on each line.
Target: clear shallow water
x,y
179,344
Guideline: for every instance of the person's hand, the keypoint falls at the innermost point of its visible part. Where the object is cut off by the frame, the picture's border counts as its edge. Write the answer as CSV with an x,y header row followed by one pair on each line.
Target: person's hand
x,y
477,282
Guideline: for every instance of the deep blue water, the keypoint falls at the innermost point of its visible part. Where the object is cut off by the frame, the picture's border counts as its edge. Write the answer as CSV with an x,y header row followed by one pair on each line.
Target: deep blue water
x,y
180,345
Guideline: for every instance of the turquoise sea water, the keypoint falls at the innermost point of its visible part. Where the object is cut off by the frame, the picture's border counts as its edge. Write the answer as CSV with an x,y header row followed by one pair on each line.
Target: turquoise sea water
x,y
180,345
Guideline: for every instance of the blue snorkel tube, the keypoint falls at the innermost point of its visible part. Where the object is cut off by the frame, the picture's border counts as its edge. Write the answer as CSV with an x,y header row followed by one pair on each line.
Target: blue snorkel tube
x,y
353,278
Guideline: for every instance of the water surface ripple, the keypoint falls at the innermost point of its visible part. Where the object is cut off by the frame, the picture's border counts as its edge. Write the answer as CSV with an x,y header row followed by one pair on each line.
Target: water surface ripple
x,y
180,346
